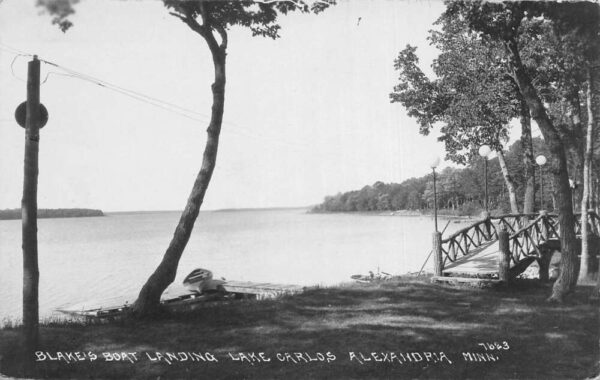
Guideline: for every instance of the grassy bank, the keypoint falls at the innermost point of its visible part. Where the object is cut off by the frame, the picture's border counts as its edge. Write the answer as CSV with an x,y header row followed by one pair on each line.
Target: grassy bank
x,y
408,328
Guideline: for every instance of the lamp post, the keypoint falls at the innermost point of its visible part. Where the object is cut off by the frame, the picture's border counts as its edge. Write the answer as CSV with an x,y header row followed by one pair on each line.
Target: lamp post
x,y
541,161
434,164
438,263
484,151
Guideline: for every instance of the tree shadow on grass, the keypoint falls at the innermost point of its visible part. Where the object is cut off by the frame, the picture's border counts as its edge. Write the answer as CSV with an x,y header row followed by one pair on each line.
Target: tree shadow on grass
x,y
543,341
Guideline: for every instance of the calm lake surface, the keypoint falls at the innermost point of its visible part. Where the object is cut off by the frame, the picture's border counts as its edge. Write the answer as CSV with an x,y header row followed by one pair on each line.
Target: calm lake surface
x,y
83,258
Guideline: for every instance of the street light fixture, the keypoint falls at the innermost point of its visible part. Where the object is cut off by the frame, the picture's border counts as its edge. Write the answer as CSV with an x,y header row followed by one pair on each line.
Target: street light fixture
x,y
573,186
541,161
484,151
433,165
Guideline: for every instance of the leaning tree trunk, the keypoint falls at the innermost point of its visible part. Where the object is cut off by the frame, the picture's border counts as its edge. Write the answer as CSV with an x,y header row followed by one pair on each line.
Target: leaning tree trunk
x,y
510,183
148,301
558,167
528,160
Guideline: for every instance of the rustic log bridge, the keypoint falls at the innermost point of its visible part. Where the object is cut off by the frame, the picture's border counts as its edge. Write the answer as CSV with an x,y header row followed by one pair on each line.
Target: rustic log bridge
x,y
502,247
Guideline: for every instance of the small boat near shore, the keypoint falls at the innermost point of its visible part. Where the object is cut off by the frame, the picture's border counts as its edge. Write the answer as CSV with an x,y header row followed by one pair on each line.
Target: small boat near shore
x,y
199,289
371,277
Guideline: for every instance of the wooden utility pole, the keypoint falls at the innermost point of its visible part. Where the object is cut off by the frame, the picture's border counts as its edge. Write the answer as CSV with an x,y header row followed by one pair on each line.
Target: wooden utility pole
x,y
31,272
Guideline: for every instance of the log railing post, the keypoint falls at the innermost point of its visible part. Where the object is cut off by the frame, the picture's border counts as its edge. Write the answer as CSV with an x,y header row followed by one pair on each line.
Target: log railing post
x,y
504,257
544,264
487,222
437,253
544,228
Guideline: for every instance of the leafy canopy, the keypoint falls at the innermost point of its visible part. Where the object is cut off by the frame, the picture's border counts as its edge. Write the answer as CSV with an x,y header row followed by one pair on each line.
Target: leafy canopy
x,y
258,16
472,96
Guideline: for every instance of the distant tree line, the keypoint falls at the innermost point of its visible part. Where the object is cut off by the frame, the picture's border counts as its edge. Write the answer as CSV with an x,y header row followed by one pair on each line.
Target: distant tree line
x,y
460,190
10,214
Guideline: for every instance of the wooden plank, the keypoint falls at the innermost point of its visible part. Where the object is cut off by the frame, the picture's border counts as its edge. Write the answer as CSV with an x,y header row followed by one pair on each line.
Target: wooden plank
x,y
173,292
262,290
465,280
484,259
176,295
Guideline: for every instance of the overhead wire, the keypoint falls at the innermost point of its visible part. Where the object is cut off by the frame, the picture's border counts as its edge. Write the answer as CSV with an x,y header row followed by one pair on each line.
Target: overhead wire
x,y
131,93
168,106
12,70
193,115
17,53
11,49
190,114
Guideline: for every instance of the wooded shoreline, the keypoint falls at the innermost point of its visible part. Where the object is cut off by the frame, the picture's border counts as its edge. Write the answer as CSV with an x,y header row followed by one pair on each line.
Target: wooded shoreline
x,y
443,213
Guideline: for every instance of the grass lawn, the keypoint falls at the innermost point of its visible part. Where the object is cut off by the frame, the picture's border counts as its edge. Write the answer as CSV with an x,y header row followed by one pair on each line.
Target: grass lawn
x,y
408,328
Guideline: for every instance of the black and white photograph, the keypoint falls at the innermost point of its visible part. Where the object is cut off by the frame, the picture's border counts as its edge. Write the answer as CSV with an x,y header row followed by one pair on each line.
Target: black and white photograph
x,y
299,189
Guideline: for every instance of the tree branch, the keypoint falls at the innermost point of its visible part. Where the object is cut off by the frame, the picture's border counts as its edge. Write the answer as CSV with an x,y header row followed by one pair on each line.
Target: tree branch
x,y
189,21
204,31
223,33
177,15
203,14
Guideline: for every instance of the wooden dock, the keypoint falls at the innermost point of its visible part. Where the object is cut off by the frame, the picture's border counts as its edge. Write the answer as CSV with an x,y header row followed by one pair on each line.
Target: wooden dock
x,y
179,298
480,262
260,290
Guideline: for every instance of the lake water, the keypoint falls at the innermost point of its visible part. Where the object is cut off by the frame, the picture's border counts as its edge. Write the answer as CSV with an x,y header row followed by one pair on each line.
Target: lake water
x,y
83,258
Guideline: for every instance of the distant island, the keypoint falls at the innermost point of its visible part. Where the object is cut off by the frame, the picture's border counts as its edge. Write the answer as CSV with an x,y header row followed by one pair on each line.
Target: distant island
x,y
11,214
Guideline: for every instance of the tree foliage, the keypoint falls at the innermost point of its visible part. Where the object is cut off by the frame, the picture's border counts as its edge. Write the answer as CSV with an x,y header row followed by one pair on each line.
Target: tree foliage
x,y
259,17
60,10
517,26
472,98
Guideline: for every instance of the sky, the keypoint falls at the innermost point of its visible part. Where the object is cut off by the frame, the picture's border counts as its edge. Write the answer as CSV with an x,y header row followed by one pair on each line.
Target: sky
x,y
306,115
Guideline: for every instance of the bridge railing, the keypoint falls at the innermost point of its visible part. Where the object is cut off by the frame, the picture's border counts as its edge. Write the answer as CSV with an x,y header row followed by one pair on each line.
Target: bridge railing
x,y
593,220
525,242
464,241
527,233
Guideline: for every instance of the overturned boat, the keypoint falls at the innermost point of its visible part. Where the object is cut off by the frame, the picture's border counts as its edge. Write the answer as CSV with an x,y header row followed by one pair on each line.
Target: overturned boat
x,y
199,289
371,277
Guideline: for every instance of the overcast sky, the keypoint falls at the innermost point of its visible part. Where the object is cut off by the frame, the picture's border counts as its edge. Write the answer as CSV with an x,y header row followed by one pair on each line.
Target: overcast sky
x,y
306,115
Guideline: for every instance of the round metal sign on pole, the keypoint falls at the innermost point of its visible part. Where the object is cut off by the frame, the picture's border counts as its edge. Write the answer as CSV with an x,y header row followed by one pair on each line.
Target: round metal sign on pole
x,y
21,114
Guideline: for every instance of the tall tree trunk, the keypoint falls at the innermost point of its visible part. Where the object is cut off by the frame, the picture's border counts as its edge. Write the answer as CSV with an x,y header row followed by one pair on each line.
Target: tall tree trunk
x,y
528,160
558,167
573,136
510,183
584,269
148,301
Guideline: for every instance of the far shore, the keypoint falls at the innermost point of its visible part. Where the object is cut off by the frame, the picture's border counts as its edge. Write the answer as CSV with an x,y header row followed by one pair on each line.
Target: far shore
x,y
442,214
14,214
